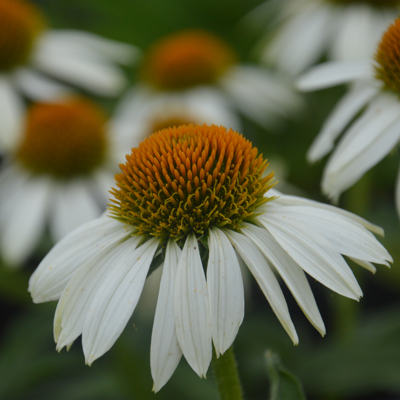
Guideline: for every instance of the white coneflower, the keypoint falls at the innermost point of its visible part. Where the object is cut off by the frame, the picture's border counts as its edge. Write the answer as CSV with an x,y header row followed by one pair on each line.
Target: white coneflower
x,y
376,86
58,172
198,199
32,57
346,30
191,59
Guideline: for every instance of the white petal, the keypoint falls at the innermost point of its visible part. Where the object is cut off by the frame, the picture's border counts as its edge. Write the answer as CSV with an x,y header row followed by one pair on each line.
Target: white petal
x,y
225,291
165,352
365,264
11,112
290,272
363,145
266,279
116,298
53,273
398,193
25,221
73,206
290,200
89,44
331,230
192,321
334,73
350,42
129,124
38,87
96,75
76,297
327,267
343,113
259,94
302,40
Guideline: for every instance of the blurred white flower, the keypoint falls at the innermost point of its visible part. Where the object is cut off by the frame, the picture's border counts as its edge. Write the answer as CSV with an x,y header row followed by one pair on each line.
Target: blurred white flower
x,y
144,111
374,91
345,30
182,192
203,65
59,172
38,62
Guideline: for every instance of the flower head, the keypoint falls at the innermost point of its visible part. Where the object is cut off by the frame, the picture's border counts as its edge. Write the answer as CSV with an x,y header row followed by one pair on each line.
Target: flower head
x,y
20,24
64,139
188,179
196,198
186,59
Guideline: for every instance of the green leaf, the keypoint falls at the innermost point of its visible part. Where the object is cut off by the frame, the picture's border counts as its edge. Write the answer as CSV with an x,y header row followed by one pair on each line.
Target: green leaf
x,y
283,384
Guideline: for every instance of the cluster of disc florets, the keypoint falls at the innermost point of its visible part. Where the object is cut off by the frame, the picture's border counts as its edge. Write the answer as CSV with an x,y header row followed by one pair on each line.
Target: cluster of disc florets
x,y
387,58
186,59
20,23
64,139
190,178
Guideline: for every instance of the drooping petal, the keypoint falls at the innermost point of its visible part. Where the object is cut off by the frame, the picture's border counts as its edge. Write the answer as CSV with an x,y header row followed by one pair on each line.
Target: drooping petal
x,y
365,264
284,199
327,267
76,297
165,352
53,273
192,320
225,291
116,297
334,73
343,113
330,229
73,206
258,266
290,272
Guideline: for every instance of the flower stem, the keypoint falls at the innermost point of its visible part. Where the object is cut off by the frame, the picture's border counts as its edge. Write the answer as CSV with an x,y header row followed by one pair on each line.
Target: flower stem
x,y
227,375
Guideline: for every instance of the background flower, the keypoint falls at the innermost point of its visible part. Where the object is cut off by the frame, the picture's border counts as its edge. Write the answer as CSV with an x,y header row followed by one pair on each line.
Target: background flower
x,y
376,132
345,30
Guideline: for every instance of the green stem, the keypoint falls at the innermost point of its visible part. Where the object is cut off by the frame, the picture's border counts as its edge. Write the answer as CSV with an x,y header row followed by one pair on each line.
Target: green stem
x,y
227,375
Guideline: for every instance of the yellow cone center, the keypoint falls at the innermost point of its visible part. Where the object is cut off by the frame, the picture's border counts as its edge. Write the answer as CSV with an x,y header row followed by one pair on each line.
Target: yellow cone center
x,y
20,24
188,179
63,140
186,59
387,58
